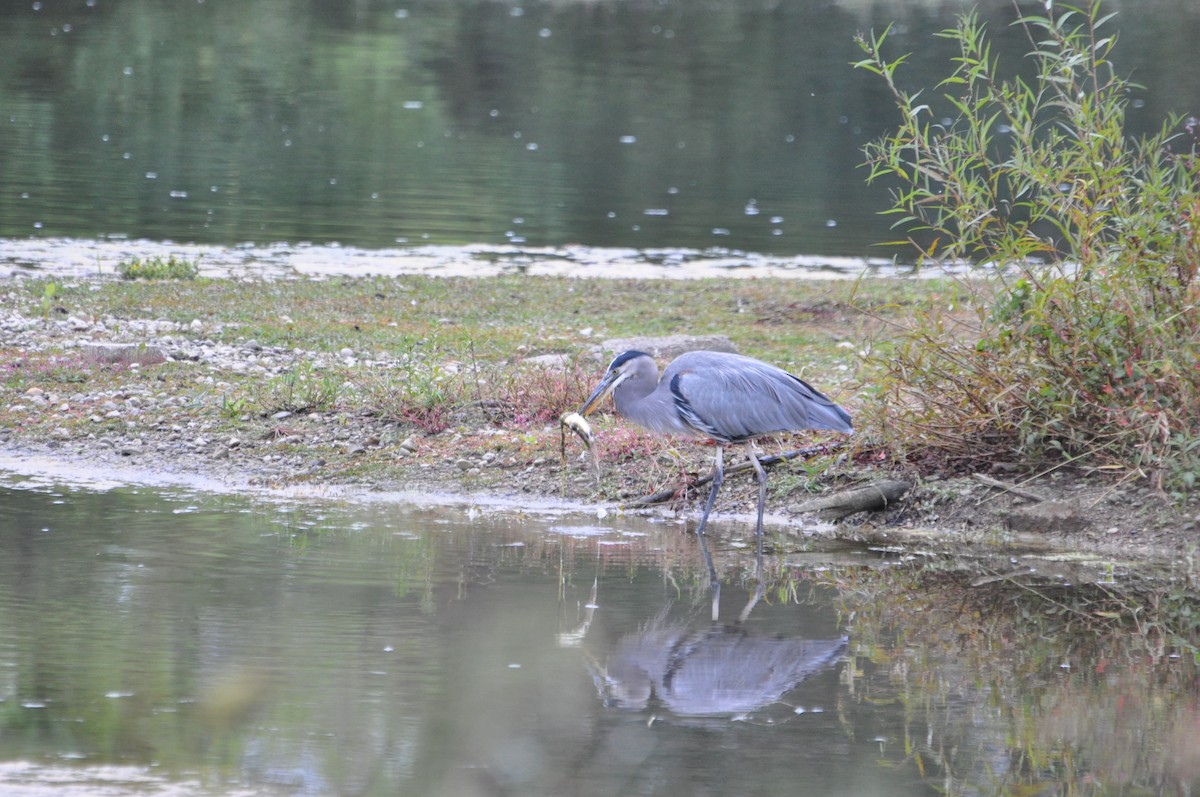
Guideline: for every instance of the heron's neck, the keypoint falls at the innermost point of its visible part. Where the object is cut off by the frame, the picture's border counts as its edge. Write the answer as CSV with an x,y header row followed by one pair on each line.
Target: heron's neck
x,y
647,407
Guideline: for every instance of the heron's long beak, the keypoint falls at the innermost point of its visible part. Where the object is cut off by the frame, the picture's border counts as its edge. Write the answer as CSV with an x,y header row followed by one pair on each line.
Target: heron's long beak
x,y
607,385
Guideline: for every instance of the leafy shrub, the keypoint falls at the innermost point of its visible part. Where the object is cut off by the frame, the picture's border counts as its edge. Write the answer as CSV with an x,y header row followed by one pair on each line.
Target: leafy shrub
x,y
1076,335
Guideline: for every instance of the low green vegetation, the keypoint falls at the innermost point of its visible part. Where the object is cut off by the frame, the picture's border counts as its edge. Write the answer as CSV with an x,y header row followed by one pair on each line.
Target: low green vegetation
x,y
159,268
1076,337
435,354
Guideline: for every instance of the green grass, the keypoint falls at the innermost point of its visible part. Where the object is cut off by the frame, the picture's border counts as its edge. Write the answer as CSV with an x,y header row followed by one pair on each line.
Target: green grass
x,y
159,268
794,323
450,351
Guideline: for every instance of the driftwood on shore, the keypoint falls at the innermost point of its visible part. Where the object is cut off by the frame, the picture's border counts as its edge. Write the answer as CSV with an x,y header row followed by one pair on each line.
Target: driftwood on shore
x,y
662,496
868,498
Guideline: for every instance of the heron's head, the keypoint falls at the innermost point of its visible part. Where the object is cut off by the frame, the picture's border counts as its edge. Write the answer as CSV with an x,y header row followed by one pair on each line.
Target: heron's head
x,y
621,368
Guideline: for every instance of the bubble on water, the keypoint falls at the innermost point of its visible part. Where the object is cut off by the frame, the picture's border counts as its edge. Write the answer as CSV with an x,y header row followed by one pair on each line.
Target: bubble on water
x,y
720,231
776,231
104,138
178,194
494,113
413,105
672,190
516,134
37,6
628,139
751,208
636,228
516,11
1138,103
830,222
151,175
126,155
531,146
66,28
518,220
287,142
374,195
544,33
789,138
401,13
612,214
333,181
777,219
656,212
213,188
127,71
37,225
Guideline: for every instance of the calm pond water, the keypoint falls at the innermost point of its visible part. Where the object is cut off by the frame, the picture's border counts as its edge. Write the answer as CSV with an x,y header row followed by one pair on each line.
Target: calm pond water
x,y
182,643
382,126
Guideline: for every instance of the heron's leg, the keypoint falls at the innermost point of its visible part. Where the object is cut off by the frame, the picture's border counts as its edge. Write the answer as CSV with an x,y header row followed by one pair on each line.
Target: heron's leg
x,y
761,474
718,477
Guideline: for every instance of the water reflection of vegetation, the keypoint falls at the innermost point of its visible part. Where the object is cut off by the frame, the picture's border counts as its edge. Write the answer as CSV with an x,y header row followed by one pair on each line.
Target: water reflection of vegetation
x,y
370,650
1012,687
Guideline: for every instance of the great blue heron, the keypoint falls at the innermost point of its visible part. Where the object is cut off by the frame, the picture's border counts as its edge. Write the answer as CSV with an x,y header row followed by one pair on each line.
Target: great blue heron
x,y
728,398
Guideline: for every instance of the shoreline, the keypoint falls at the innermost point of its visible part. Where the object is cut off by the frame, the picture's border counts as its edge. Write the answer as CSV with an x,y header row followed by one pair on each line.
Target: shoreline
x,y
111,377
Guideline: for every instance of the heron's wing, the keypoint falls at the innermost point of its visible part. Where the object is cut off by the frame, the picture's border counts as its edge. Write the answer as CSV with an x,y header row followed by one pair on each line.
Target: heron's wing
x,y
732,398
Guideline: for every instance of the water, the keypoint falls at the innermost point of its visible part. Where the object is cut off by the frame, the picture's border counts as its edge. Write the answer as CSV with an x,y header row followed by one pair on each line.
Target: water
x,y
491,131
169,641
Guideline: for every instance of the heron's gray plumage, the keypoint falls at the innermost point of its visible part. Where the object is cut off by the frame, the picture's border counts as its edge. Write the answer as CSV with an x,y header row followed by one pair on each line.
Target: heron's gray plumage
x,y
729,398
726,397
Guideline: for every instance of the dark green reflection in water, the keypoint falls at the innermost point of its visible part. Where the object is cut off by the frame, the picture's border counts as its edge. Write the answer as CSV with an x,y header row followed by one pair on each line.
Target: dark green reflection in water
x,y
633,124
388,649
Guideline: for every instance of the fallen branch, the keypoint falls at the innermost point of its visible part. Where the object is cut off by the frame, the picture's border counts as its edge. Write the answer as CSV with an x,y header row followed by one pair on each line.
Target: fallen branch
x,y
807,452
868,498
996,484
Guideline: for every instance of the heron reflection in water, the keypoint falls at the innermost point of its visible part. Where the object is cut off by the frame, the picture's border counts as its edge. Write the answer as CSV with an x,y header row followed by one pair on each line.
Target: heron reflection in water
x,y
711,671
727,398
721,670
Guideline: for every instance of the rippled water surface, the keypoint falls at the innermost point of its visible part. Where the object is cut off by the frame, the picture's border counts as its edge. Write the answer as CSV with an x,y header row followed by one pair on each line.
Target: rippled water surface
x,y
180,642
540,134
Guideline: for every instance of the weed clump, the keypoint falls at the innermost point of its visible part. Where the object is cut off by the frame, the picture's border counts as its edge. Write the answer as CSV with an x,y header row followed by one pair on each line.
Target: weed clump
x,y
159,268
1076,336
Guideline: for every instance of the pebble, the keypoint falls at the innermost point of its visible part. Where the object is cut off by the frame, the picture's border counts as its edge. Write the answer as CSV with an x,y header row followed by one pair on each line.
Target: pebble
x,y
463,464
